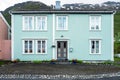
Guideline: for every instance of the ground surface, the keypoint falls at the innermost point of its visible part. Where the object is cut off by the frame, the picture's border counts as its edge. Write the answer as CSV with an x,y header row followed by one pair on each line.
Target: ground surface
x,y
59,72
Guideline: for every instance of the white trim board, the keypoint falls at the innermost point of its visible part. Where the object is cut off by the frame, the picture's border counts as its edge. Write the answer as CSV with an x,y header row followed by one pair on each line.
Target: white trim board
x,y
12,39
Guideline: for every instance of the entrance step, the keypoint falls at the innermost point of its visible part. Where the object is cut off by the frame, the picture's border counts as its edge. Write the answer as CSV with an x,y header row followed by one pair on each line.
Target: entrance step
x,y
62,62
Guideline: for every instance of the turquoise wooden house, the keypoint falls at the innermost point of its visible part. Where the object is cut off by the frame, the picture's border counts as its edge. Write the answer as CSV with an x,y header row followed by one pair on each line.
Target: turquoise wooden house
x,y
62,34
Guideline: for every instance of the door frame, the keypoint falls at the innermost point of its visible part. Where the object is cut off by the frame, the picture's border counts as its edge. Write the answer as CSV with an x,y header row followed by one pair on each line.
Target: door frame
x,y
57,47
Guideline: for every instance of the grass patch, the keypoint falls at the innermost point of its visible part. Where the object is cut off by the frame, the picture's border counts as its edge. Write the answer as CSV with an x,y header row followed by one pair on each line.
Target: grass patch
x,y
2,62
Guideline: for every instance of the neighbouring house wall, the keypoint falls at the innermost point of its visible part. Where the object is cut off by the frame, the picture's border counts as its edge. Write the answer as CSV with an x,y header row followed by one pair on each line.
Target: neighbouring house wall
x,y
5,49
3,30
5,42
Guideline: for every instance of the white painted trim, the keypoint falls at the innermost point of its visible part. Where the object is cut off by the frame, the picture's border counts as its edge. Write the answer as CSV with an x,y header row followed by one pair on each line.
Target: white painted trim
x,y
23,24
67,47
112,37
41,46
53,35
66,27
100,23
100,47
23,48
36,28
12,39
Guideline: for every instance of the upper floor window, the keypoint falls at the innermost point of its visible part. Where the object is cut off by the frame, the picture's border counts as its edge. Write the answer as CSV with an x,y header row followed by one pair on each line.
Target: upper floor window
x,y
95,46
62,22
28,22
95,22
41,23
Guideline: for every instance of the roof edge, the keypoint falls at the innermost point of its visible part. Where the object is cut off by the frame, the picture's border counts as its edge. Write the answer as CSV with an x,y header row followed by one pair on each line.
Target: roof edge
x,y
5,21
62,12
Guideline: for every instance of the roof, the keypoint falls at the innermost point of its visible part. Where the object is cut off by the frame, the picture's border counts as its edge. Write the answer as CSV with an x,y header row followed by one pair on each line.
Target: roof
x,y
5,21
62,12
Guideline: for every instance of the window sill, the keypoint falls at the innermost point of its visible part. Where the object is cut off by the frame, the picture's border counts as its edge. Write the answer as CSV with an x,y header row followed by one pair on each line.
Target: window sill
x,y
41,53
95,53
62,30
34,30
28,30
28,53
95,30
40,30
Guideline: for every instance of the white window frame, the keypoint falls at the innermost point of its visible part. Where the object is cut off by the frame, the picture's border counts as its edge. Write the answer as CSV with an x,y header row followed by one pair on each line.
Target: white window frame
x,y
45,23
41,46
23,43
100,43
90,21
28,27
66,27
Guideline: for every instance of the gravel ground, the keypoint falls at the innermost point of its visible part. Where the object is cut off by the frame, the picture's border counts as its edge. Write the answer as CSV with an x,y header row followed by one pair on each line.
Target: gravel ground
x,y
56,69
31,71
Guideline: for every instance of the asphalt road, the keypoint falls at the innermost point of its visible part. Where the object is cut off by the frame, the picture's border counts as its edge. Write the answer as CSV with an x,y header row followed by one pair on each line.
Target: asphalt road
x,y
60,78
111,78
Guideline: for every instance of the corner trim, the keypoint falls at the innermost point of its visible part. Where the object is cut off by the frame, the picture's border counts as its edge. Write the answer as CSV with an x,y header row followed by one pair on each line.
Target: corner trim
x,y
53,35
12,40
112,37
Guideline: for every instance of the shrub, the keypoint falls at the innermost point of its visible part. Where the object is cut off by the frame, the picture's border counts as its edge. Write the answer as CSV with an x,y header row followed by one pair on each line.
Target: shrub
x,y
108,62
16,60
37,62
80,61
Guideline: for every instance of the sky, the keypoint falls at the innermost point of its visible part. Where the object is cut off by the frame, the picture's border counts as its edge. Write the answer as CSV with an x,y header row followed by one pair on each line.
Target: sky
x,y
7,3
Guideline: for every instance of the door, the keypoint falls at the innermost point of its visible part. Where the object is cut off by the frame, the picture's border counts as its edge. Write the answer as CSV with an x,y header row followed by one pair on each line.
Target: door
x,y
61,49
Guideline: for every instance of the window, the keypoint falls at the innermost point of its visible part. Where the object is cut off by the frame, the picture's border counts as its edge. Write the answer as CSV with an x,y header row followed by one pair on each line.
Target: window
x,y
62,22
95,46
41,23
95,22
28,22
41,46
28,46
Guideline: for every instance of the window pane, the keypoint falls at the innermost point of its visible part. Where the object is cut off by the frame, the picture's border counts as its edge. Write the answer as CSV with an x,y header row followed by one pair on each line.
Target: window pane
x,y
39,23
92,46
26,47
25,23
30,23
43,24
43,47
64,22
39,46
59,23
30,47
97,46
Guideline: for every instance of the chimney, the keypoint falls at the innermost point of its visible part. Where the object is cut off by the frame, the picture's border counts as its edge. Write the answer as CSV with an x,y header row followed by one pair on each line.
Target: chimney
x,y
58,6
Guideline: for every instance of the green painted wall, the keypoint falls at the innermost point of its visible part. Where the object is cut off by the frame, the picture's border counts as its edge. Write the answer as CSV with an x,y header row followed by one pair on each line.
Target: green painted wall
x,y
78,36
